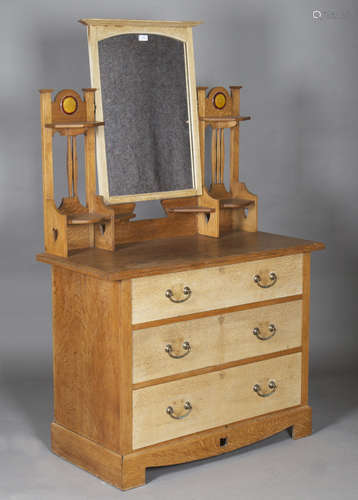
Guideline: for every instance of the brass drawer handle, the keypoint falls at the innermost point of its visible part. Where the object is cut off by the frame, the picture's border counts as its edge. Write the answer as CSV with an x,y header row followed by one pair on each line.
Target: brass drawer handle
x,y
186,347
186,292
187,406
272,276
257,332
271,385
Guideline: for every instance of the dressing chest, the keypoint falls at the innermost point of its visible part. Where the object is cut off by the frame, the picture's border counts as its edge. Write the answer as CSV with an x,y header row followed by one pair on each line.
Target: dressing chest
x,y
178,338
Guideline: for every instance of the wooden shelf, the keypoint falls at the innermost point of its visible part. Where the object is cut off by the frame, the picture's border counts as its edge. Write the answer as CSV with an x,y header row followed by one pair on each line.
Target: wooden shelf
x,y
235,203
73,125
237,118
188,210
125,216
96,218
86,218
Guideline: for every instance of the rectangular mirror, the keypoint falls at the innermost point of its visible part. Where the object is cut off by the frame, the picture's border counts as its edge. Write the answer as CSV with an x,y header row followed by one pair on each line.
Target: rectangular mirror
x,y
146,95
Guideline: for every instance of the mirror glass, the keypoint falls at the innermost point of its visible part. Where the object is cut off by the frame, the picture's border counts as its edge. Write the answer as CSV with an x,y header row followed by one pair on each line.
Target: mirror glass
x,y
145,102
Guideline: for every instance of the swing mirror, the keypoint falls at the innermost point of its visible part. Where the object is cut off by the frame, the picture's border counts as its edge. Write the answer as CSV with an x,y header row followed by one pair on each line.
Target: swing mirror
x,y
146,95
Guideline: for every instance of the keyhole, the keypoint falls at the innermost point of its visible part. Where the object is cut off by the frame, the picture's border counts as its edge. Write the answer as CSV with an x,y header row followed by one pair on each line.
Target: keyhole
x,y
223,441
55,233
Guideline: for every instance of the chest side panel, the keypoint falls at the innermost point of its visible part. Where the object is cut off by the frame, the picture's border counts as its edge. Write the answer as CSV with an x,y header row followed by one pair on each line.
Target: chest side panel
x,y
86,315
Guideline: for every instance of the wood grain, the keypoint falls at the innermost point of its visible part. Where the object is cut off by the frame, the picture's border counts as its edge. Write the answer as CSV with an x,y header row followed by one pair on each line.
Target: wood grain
x,y
128,471
166,227
138,23
123,359
231,338
90,152
215,312
88,455
162,256
206,210
217,287
207,443
58,115
86,345
215,368
217,398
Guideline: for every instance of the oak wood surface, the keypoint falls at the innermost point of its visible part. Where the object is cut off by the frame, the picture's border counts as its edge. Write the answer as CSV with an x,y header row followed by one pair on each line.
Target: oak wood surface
x,y
128,471
138,22
85,219
162,256
86,346
89,156
62,125
235,203
230,338
225,119
215,368
123,359
88,455
222,286
216,312
205,210
217,398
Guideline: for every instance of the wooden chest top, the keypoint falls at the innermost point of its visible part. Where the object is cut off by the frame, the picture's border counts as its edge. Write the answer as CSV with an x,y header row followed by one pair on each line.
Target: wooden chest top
x,y
163,256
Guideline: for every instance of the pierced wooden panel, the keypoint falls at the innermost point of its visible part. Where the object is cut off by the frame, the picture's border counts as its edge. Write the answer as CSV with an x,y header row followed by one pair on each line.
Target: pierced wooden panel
x,y
63,101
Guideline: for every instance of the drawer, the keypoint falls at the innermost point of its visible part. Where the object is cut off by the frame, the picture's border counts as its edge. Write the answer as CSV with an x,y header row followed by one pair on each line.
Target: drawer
x,y
215,399
214,288
215,340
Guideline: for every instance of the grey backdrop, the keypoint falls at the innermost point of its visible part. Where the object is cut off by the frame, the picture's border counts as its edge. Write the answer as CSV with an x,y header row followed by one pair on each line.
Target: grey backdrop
x,y
299,154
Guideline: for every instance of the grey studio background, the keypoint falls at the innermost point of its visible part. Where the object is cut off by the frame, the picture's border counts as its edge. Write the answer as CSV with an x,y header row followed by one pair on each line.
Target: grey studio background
x,y
299,154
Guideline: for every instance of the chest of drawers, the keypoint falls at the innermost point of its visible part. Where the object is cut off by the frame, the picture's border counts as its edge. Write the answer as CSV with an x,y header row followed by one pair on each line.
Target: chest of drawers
x,y
164,361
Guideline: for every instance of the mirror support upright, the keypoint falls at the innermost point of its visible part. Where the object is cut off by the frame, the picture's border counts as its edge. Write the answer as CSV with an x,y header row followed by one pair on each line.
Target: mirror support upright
x,y
212,212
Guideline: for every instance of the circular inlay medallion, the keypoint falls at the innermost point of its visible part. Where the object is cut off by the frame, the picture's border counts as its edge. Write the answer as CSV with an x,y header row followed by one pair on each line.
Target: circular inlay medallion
x,y
69,105
219,100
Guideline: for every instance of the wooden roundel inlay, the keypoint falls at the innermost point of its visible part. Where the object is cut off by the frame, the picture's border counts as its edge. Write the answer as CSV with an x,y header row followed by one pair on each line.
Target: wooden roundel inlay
x,y
69,105
219,100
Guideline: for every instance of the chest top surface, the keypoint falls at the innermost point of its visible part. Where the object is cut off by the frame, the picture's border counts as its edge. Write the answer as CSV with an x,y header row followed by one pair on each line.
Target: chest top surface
x,y
163,256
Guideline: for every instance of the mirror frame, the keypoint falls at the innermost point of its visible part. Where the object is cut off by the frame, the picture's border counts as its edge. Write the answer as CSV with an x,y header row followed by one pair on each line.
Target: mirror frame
x,y
100,29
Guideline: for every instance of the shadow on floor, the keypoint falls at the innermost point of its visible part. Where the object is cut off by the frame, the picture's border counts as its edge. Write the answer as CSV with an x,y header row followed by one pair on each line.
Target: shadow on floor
x,y
333,395
28,394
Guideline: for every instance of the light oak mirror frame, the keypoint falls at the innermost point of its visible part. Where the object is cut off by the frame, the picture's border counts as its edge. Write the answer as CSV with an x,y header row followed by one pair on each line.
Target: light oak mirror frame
x,y
100,29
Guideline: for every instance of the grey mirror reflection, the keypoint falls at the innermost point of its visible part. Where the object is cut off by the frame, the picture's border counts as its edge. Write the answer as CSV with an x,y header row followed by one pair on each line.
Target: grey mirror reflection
x,y
146,114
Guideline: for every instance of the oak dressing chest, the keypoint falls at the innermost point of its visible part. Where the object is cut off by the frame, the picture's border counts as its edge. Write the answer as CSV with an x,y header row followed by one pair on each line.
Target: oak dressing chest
x,y
178,338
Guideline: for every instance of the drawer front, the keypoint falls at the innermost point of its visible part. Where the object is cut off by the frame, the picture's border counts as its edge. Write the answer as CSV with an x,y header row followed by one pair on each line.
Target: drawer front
x,y
215,340
214,288
216,398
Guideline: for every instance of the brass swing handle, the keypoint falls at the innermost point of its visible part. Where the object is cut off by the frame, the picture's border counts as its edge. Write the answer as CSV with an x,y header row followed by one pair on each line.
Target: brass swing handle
x,y
186,291
271,385
257,332
272,276
186,347
187,406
